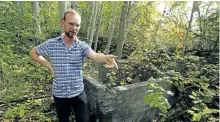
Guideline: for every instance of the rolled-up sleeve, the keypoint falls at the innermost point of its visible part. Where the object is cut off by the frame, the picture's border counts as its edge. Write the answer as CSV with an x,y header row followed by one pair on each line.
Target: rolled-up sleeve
x,y
86,49
43,48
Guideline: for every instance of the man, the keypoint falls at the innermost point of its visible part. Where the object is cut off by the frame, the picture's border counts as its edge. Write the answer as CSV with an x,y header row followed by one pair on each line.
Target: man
x,y
67,54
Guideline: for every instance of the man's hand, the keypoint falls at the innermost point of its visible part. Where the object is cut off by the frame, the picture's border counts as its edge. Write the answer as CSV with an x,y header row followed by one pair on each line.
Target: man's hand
x,y
110,62
41,60
51,70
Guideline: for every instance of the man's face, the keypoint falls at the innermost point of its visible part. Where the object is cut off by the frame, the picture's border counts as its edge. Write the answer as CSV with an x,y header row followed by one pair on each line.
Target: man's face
x,y
71,25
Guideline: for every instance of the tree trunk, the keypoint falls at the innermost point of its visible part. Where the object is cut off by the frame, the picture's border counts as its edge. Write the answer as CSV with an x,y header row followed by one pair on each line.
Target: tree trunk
x,y
35,12
16,2
73,5
1,72
122,29
131,15
63,8
83,28
98,25
88,25
153,42
111,28
22,6
188,28
93,24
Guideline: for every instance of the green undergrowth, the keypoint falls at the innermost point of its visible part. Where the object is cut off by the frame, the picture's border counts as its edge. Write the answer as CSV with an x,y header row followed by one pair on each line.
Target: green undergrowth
x,y
195,80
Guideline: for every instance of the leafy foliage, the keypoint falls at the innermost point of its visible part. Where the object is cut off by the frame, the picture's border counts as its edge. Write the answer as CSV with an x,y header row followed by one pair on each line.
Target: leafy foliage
x,y
196,82
22,80
155,97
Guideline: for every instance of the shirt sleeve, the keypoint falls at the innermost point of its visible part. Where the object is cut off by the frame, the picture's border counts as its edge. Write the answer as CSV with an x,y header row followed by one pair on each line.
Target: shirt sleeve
x,y
43,48
86,49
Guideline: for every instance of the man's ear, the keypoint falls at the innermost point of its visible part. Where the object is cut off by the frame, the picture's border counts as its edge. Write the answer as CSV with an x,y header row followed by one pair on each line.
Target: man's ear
x,y
62,23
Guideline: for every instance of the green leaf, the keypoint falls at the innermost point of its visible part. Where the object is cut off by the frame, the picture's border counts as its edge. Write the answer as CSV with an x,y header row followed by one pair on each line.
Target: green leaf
x,y
194,94
29,101
197,117
21,113
198,101
85,64
207,99
194,108
191,112
192,97
9,114
40,91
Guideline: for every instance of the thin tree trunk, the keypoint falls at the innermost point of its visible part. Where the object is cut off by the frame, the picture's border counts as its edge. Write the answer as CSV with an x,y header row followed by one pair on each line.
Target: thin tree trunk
x,y
1,72
89,20
188,28
131,16
36,11
22,4
200,22
200,27
83,23
205,25
153,42
98,25
73,4
112,28
63,8
16,2
122,29
93,24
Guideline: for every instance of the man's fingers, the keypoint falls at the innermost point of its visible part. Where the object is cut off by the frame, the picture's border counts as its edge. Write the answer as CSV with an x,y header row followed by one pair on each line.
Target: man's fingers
x,y
109,66
111,63
113,56
116,65
112,66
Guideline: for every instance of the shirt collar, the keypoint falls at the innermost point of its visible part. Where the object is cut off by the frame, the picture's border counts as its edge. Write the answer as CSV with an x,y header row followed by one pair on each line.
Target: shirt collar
x,y
62,40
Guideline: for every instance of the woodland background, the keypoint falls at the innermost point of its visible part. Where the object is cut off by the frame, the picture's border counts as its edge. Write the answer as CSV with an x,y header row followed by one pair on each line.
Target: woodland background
x,y
176,42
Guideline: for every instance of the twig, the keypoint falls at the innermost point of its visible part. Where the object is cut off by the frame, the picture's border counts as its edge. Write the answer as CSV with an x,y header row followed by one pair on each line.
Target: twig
x,y
193,85
176,115
24,99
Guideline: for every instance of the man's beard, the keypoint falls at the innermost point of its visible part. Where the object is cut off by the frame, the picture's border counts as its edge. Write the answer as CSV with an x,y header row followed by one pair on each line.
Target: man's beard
x,y
68,34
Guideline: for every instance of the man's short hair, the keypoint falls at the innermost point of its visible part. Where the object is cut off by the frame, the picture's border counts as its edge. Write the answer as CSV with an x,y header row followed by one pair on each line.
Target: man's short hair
x,y
73,12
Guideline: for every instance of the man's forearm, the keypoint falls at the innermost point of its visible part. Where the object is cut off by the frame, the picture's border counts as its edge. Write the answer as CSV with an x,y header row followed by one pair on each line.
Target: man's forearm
x,y
40,59
100,58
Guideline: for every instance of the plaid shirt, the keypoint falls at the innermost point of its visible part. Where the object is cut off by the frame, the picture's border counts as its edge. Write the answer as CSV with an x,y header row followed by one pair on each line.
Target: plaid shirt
x,y
67,64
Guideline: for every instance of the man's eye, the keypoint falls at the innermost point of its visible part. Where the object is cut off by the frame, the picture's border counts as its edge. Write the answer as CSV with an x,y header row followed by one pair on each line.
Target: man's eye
x,y
72,24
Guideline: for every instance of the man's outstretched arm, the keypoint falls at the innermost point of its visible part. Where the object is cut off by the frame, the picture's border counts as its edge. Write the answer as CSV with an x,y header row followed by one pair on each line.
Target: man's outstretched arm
x,y
40,59
109,60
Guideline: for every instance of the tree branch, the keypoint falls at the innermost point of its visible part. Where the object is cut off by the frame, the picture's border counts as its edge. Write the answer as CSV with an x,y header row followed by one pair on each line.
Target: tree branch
x,y
24,99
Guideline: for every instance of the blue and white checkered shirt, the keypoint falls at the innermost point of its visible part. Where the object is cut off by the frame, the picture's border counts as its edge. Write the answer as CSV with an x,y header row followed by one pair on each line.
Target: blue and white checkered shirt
x,y
67,64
